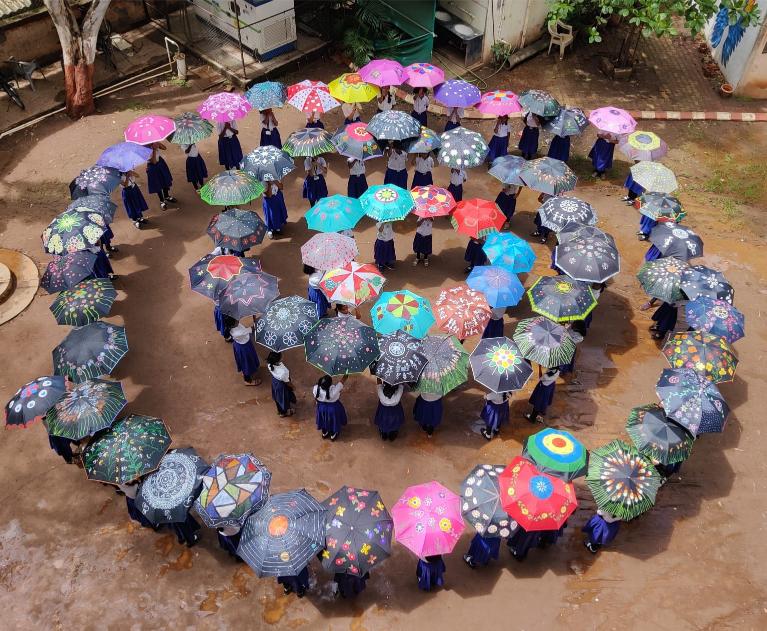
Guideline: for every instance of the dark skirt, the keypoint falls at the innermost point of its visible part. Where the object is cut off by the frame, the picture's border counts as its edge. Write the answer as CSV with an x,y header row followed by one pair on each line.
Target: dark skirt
x,y
357,185
275,212
542,397
483,549
330,417
283,396
246,358
272,138
421,117
646,224
601,155
449,125
229,543
196,171
430,574
383,252
498,146
427,413
507,203
456,190
349,585
521,541
665,316
564,369
297,583
349,121
422,179
495,415
186,531
422,244
599,531
667,470
158,177
398,178
229,152
136,515
62,446
543,230
553,264
528,143
389,418
134,202
223,322
102,268
318,124
474,254
315,188
652,253
632,186
106,238
493,328
559,149
318,298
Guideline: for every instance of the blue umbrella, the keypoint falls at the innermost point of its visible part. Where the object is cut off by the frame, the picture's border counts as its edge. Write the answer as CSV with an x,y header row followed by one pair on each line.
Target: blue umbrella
x,y
124,156
508,250
506,169
499,284
266,95
100,204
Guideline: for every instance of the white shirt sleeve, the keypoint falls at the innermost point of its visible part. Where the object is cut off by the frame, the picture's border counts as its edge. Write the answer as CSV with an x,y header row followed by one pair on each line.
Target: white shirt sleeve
x,y
503,130
393,400
315,278
547,379
357,168
494,397
424,227
385,231
280,372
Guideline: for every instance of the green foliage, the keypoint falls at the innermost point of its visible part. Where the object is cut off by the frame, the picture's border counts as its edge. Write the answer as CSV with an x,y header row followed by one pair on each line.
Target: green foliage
x,y
501,52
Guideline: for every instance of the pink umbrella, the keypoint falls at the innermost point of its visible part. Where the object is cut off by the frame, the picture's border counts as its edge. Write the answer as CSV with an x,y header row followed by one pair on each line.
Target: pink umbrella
x,y
423,75
499,103
427,519
150,128
328,250
224,107
383,72
314,99
612,120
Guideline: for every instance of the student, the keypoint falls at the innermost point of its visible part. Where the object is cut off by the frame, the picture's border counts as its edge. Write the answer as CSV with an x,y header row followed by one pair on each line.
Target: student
x,y
131,490
358,183
646,224
427,411
454,116
229,149
63,447
313,120
186,531
343,311
106,241
653,253
521,541
474,254
494,413
665,471
601,155
133,200
420,106
528,142
396,167
633,190
389,415
542,395
351,113
665,318
457,178
330,415
229,539
430,572
349,585
270,135
494,326
315,293
559,149
275,211
540,231
224,323
386,100
282,390
499,143
507,201
482,550
158,177
196,170
315,188
295,584
422,176
422,241
601,529
383,249
245,356
102,268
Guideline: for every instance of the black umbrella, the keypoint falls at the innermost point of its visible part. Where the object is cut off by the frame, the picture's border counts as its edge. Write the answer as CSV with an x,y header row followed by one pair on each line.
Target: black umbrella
x,y
556,212
268,163
86,409
96,180
100,204
701,281
498,364
340,346
402,359
248,295
285,323
33,400
658,437
90,351
692,400
237,229
588,259
576,230
674,240
64,272
481,502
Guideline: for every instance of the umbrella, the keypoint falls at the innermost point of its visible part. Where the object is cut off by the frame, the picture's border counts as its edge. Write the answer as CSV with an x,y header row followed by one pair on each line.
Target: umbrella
x,y
236,229
355,141
544,342
334,214
462,149
717,317
213,272
283,536
248,295
424,75
86,409
461,311
148,129
308,142
66,271
661,278
306,83
457,93
231,188
328,250
612,120
352,284
267,95
570,121
312,99
673,240
498,364
661,207
166,495
654,177
574,230
33,400
98,203
402,311
561,299
285,323
477,217
556,212
387,202
190,128
233,487
448,365
507,168
692,400
481,502
72,232
708,355
426,142
268,163
124,156
402,359
700,281
427,519
383,72
432,201
657,437
90,351
643,145
499,103
340,346
224,107
588,259
557,453
622,481
129,449
508,250
86,302
358,531
548,175
500,285
98,180
394,125
350,87
535,500
539,102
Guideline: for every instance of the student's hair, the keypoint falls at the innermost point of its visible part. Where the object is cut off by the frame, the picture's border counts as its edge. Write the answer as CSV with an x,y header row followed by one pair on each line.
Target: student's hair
x,y
272,359
308,269
324,383
396,145
389,390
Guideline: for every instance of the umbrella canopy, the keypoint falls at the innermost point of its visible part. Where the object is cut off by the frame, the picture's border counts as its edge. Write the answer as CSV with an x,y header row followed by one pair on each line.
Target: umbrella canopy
x,y
383,72
424,75
557,212
124,156
571,121
98,203
432,201
661,207
426,142
90,351
457,93
129,449
72,232
268,164
86,302
612,120
462,149
508,250
66,271
306,83
499,103
308,142
643,145
544,342
166,495
282,537
355,141
402,359
394,125
673,240
623,482
535,500
285,323
477,217
98,180
224,107
358,531
334,214
699,281
654,177
588,259
481,502
561,299
312,99
190,128
461,311
233,487
350,87
341,346
250,294
402,311
661,278
500,285
352,284
539,102
387,202
267,95
692,401
212,273
506,169
148,129
717,317
236,229
86,409
574,230
328,250
557,453
498,364
447,367
708,355
33,400
657,437
548,175
231,188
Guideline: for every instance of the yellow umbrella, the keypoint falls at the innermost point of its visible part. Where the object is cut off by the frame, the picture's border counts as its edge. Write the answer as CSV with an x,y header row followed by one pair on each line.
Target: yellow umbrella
x,y
350,88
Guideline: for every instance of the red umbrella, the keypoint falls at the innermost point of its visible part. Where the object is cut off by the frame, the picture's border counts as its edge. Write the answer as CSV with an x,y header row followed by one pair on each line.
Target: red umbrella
x,y
461,311
477,217
306,83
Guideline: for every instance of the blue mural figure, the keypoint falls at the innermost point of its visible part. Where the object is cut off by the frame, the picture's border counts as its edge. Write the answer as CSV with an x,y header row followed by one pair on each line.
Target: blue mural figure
x,y
735,31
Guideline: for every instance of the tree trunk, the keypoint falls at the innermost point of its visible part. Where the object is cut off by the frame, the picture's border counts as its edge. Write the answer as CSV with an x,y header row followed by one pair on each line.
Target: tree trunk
x,y
78,84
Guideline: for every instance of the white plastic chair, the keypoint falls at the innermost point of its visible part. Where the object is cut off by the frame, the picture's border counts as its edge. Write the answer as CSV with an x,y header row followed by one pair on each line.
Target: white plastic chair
x,y
561,35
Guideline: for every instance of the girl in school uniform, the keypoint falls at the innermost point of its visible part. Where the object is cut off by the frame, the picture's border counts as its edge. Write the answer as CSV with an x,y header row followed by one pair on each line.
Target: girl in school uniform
x,y
482,550
186,531
601,530
63,447
330,415
275,211
454,116
133,200
389,415
540,230
528,142
130,491
229,149
102,268
383,249
282,390
601,155
559,149
420,105
422,241
665,318
314,292
386,100
358,183
422,176
633,190
494,413
158,177
521,541
494,326
396,167
224,323
474,254
349,585
430,572
457,178
313,120
507,201
270,135
316,168
196,170
646,224
499,143
653,253
245,355
106,241
351,113
295,584
543,394
229,539
427,411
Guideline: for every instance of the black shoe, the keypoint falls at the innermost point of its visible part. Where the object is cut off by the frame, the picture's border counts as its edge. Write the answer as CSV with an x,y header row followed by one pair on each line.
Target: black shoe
x,y
286,590
487,434
301,592
333,437
111,248
171,199
144,220
429,430
469,562
392,436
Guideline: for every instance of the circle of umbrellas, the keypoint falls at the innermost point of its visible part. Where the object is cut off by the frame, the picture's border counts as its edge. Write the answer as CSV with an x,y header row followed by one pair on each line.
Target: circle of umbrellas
x,y
90,351
498,364
86,302
286,323
462,148
33,400
481,502
341,346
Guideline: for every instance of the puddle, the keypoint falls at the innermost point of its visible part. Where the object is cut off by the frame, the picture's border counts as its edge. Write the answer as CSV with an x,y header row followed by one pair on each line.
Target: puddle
x,y
239,587
182,562
275,606
164,544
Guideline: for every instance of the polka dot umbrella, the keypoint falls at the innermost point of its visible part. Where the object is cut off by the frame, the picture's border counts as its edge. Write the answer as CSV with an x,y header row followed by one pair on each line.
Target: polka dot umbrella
x,y
557,453
462,149
481,502
457,93
341,346
33,400
312,99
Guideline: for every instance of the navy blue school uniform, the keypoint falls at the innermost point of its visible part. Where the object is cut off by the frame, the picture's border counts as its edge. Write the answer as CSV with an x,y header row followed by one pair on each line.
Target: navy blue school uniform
x,y
542,397
521,541
134,202
495,414
665,317
652,253
275,211
229,543
667,470
356,186
430,572
102,268
315,188
283,396
422,244
186,531
553,264
601,155
507,203
483,549
451,125
528,143
136,515
599,531
223,322
421,117
158,177
319,299
246,358
272,139
330,417
559,149
421,179
493,328
316,124
384,253
106,238
569,368
634,189
542,230
456,190
229,152
646,224
427,413
398,178
474,254
498,146
389,418
350,585
298,583
62,446
196,170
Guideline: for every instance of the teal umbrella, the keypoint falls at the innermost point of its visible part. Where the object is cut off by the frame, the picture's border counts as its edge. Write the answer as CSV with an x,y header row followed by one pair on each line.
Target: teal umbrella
x,y
334,214
508,250
402,311
387,202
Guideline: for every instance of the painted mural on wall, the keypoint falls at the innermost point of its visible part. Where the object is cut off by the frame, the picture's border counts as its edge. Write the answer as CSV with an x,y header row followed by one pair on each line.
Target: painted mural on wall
x,y
732,44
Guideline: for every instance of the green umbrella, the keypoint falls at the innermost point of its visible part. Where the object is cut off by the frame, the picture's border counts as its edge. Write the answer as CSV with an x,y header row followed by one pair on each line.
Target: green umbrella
x,y
448,365
661,278
561,299
658,437
539,102
308,143
231,188
544,342
86,409
190,128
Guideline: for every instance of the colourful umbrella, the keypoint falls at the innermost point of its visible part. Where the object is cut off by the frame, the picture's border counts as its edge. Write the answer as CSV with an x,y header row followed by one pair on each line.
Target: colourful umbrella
x,y
224,107
432,201
402,311
148,129
508,250
539,102
574,230
355,141
334,214
86,302
654,177
231,188
447,367
124,156
90,351
97,180
308,142
701,281
661,207
657,437
190,128
708,355
266,95
306,83
236,229
426,142
481,502
507,168
350,87
72,232
499,103
394,125
313,99
66,271
352,284
462,149
717,317
341,346
643,145
424,75
213,272
477,217
557,453
250,294
544,342
268,163
612,120
548,175
589,259
498,364
86,409
692,400
571,121
675,241
401,360
383,72
500,285
457,93
387,202
33,400
427,519
286,323
99,203
561,299
556,212
461,311
328,250
661,278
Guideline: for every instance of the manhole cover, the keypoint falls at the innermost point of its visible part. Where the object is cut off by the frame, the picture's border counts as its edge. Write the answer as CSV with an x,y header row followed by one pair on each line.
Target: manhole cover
x,y
18,283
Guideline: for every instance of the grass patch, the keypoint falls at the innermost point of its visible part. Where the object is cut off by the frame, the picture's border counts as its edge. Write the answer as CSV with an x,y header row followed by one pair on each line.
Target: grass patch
x,y
743,181
136,106
732,212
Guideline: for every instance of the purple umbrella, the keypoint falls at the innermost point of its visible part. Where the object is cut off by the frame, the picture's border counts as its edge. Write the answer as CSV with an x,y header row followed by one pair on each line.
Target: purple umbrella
x,y
124,156
457,93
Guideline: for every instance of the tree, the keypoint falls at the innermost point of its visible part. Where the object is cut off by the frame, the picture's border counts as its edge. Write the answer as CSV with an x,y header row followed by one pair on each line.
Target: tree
x,y
78,47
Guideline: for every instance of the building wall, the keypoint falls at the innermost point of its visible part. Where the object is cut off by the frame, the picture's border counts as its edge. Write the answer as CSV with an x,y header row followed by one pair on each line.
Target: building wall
x,y
753,83
518,22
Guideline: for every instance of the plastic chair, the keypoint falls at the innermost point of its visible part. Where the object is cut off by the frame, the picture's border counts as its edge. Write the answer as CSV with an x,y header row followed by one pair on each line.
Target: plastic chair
x,y
24,70
561,35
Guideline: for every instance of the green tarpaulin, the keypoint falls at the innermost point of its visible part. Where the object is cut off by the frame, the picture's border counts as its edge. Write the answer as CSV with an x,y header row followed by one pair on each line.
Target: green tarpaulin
x,y
416,19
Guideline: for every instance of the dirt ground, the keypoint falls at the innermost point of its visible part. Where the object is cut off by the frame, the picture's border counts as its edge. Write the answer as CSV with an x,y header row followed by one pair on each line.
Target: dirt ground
x,y
71,558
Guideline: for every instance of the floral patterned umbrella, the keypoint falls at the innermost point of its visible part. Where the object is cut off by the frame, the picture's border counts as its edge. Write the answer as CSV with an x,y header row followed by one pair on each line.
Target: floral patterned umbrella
x,y
432,201
387,202
352,284
266,95
402,359
306,83
556,212
268,163
250,294
190,128
426,142
557,453
499,103
124,156
588,259
308,142
448,365
98,180
334,214
575,230
90,351
661,207
661,278
424,75
643,145
402,311
86,302
383,72
236,229
350,87
539,102
612,120
224,107
285,323
328,250
72,232
508,250
500,285
457,93
99,203
341,346
312,99
673,240
657,437
561,299
654,177
231,188
355,141
498,364
148,129
461,311
544,342
66,271
548,175
394,125
700,281
212,273
481,502
33,400
717,317
462,149
506,169
477,217
571,121
692,400
86,409
708,355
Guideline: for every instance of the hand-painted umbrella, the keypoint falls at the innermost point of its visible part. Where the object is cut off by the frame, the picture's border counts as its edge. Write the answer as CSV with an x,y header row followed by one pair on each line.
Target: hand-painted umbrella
x,y
623,482
426,142
358,531
657,437
661,278
708,355
328,250
424,75
692,400
166,495
312,99
352,284
341,346
86,302
571,121
402,311
643,145
285,323
267,95
544,342
86,409
462,149
306,83
507,168
350,87
448,365
701,281
190,128
334,214
33,400
500,285
457,93
661,207
308,142
717,317
498,364
394,125
234,486
224,107
231,188
402,359
268,163
282,537
548,175
355,141
72,232
65,272
654,177
556,212
481,502
250,294
212,273
540,103
100,204
535,500
499,103
508,250
561,299
383,72
131,448
461,311
236,229
589,259
148,129
557,453
90,351
124,156
432,201
673,240
477,217
97,180
387,202
574,230
612,120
